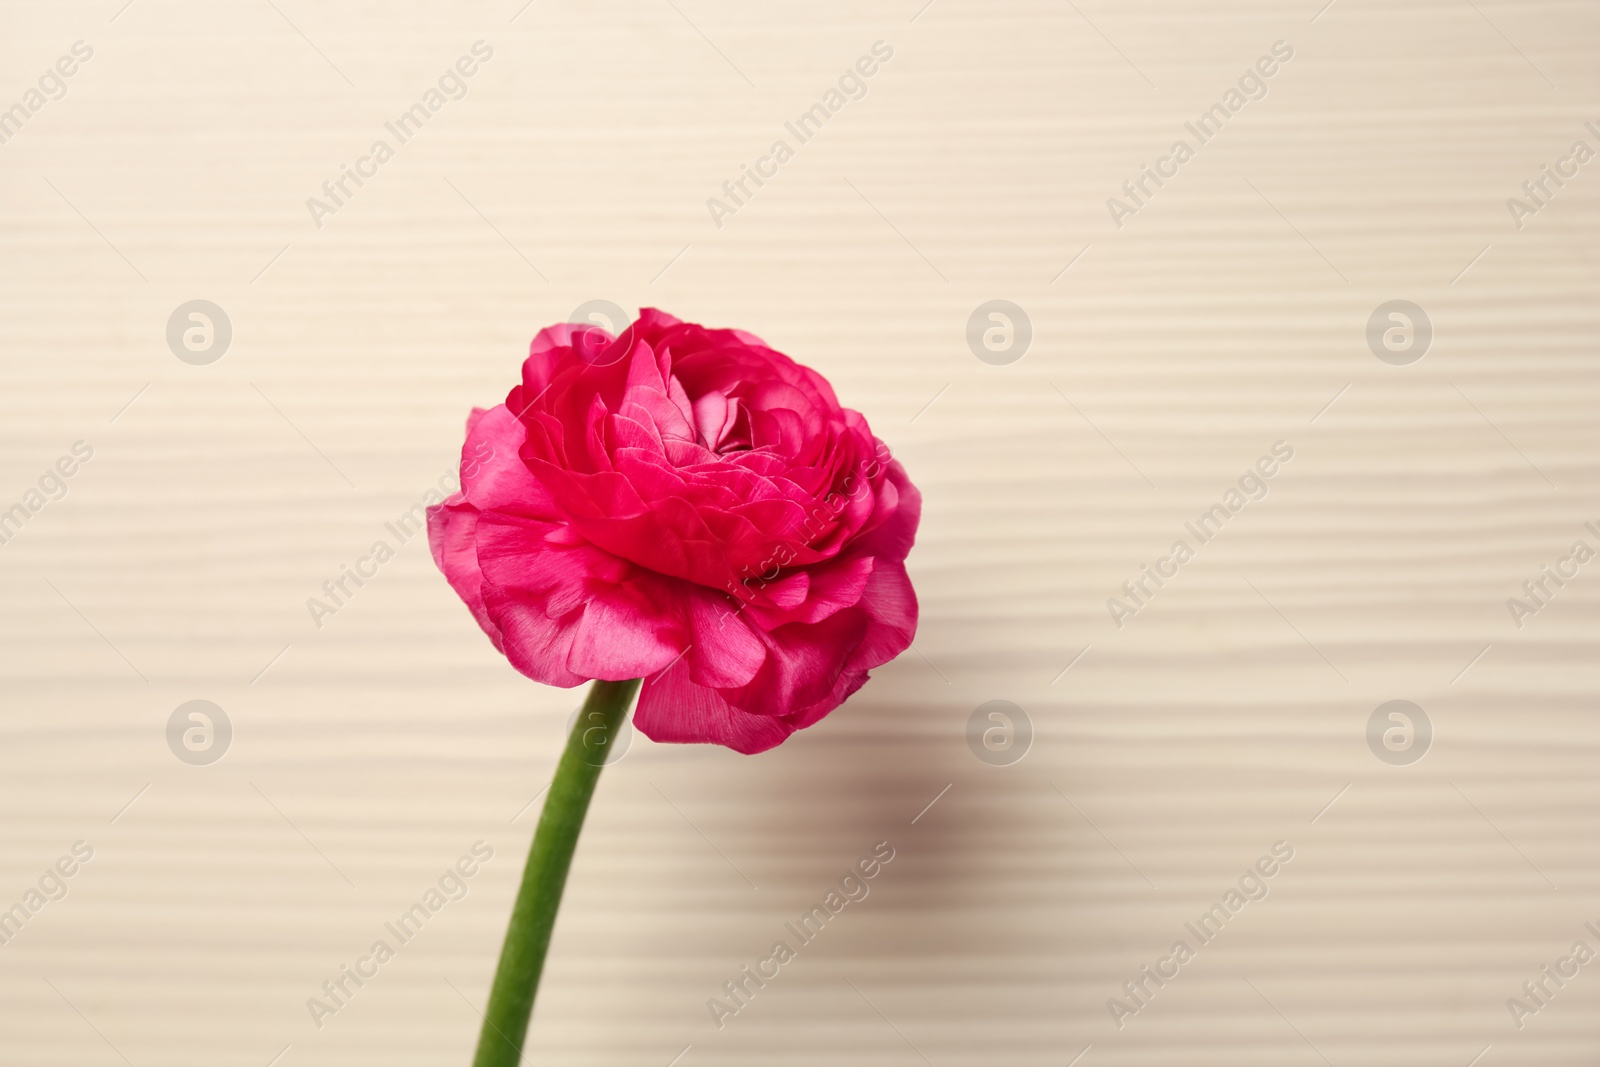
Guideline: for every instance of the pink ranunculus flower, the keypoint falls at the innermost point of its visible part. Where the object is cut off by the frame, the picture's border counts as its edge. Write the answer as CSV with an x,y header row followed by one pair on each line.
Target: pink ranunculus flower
x,y
687,506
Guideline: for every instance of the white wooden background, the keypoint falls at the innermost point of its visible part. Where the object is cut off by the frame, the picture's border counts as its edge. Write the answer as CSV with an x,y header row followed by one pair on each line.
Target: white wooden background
x,y
1228,314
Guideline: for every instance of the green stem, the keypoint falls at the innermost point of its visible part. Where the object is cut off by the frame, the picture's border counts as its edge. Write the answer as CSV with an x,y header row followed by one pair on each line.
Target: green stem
x,y
516,979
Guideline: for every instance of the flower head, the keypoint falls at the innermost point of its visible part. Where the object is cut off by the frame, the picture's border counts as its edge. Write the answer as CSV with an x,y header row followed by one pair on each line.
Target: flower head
x,y
688,506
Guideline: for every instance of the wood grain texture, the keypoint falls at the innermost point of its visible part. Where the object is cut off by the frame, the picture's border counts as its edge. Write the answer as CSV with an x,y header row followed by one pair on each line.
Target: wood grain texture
x,y
1227,314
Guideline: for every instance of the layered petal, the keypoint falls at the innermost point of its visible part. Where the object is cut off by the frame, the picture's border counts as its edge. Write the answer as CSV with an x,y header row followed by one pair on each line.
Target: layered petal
x,y
672,708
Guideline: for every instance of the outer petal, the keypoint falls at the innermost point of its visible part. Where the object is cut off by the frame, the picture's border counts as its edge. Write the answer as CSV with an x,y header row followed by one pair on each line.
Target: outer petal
x,y
493,476
452,528
673,709
890,531
803,665
891,605
727,652
568,611
847,684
